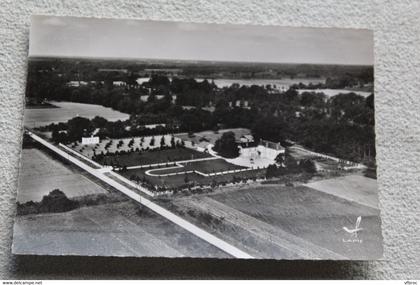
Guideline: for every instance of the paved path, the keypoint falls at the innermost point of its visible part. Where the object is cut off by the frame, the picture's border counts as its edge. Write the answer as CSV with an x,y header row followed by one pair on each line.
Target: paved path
x,y
148,203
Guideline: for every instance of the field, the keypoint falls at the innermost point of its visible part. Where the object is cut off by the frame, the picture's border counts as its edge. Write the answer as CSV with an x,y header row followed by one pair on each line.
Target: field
x,y
152,157
357,188
204,166
40,174
285,222
68,110
118,229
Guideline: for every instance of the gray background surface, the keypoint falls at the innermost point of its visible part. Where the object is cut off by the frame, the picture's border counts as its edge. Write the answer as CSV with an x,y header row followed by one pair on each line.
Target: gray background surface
x,y
396,25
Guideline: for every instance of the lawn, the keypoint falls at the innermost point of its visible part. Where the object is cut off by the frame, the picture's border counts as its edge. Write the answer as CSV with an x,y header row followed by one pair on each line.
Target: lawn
x,y
210,166
152,157
205,166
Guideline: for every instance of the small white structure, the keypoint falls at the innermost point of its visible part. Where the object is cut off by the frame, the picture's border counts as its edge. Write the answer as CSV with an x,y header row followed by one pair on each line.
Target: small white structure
x,y
154,126
246,139
90,140
119,83
76,83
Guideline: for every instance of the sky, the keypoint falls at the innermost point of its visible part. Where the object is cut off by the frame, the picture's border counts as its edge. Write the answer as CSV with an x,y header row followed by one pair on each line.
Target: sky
x,y
111,38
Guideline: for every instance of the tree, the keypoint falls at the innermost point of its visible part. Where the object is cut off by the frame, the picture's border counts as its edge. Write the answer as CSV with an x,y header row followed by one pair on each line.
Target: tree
x,y
186,179
226,146
57,201
78,127
290,162
99,122
308,165
152,141
162,141
280,159
173,144
271,171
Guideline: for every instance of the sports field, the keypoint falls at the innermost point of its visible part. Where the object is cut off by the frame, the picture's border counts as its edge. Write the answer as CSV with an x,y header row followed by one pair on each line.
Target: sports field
x,y
118,229
152,157
292,222
41,173
204,166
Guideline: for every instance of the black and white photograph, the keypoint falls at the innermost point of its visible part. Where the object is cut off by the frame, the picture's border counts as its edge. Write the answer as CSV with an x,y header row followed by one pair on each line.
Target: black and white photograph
x,y
175,139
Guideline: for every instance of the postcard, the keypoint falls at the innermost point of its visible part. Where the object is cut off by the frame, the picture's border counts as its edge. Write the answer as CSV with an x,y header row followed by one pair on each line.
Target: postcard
x,y
172,139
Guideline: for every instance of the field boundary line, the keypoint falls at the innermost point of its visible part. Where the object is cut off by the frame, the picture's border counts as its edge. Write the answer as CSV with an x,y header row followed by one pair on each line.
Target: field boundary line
x,y
206,236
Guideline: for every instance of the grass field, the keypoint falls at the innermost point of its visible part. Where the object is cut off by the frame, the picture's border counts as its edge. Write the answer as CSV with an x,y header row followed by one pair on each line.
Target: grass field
x,y
118,229
40,174
68,110
210,166
152,157
358,188
205,166
307,214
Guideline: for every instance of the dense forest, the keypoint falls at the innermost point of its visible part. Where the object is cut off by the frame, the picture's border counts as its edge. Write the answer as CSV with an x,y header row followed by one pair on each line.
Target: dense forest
x,y
342,125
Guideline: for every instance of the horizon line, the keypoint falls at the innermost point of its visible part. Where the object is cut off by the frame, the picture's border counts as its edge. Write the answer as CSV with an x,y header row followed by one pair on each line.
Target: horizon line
x,y
110,58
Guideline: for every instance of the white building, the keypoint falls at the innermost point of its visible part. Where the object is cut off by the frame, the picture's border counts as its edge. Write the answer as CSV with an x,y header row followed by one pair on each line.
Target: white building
x,y
119,83
246,139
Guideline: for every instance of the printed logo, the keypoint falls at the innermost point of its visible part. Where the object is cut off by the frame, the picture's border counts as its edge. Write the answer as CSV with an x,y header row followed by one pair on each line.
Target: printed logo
x,y
354,238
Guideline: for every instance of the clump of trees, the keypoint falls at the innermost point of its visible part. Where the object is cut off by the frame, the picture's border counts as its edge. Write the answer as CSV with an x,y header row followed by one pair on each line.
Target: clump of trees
x,y
56,201
287,164
226,146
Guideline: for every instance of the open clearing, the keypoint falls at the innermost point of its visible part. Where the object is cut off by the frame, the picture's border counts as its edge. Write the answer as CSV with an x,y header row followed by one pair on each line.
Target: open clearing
x,y
273,213
118,229
40,174
152,157
67,111
357,188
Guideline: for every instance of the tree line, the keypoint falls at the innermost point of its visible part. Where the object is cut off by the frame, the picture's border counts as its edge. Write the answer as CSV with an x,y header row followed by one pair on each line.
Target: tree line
x,y
342,125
